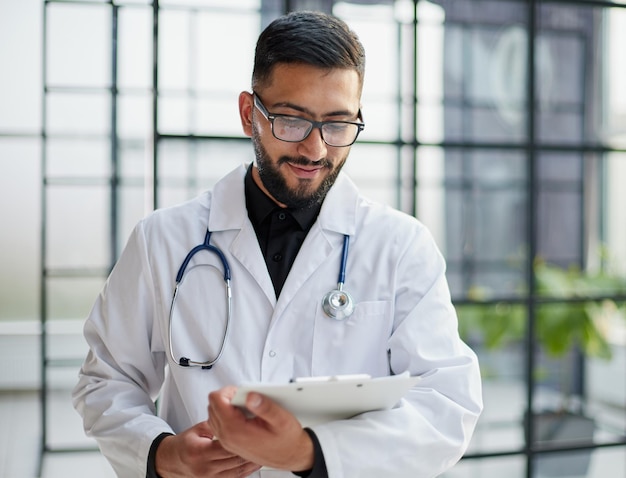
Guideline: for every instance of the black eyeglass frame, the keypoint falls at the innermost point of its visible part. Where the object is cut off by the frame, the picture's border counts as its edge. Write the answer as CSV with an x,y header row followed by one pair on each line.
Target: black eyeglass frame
x,y
314,124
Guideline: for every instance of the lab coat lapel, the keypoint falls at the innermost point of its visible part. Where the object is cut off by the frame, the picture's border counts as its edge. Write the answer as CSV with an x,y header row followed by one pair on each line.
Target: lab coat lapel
x,y
337,218
245,249
313,253
228,213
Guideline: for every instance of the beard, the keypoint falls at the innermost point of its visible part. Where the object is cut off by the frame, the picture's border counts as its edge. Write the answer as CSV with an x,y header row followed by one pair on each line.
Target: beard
x,y
302,196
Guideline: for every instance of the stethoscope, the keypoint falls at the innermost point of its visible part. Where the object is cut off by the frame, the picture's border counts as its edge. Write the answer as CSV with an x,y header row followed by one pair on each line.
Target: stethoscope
x,y
336,304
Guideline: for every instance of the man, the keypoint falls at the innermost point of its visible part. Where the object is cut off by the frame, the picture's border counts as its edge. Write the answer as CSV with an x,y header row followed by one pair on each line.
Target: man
x,y
277,231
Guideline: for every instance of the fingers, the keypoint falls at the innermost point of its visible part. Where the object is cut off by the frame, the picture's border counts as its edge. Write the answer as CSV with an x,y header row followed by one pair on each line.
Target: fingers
x,y
222,415
194,453
231,466
274,437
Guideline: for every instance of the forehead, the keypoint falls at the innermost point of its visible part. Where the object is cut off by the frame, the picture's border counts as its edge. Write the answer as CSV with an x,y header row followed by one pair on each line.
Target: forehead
x,y
309,85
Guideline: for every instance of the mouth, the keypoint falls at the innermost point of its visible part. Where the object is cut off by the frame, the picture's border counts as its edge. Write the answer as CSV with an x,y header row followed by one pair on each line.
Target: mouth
x,y
305,172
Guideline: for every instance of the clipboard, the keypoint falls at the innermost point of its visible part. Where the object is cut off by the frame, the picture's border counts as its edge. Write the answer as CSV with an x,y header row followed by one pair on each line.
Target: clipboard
x,y
318,400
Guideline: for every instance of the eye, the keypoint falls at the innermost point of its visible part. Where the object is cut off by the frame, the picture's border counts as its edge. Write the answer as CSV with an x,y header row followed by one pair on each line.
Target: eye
x,y
336,127
291,122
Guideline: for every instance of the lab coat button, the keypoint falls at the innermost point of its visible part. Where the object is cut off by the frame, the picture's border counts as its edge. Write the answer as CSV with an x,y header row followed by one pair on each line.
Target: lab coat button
x,y
272,353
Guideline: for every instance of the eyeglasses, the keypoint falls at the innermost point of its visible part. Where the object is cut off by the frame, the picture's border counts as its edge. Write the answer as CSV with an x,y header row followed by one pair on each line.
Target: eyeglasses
x,y
294,129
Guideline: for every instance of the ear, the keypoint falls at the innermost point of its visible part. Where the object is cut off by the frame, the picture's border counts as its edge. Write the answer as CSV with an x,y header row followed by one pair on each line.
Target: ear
x,y
246,105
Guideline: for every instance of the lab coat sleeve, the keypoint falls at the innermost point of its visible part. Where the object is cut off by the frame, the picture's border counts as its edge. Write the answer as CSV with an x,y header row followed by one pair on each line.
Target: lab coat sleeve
x,y
124,369
430,429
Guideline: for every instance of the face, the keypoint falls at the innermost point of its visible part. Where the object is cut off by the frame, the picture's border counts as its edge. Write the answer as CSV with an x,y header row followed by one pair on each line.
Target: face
x,y
300,174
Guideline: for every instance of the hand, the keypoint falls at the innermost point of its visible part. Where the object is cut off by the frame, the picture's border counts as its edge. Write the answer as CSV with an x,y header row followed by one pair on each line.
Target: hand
x,y
194,453
274,437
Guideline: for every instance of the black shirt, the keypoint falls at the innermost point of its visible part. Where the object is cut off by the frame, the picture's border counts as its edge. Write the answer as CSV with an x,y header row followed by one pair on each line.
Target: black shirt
x,y
280,231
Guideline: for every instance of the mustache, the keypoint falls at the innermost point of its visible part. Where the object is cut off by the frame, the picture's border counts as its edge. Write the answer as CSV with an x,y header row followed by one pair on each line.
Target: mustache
x,y
301,161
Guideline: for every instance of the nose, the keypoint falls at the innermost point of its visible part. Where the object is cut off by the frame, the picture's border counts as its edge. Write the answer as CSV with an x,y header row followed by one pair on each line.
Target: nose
x,y
313,146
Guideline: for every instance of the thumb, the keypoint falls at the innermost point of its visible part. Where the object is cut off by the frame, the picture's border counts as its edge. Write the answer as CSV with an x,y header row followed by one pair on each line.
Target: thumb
x,y
203,429
264,408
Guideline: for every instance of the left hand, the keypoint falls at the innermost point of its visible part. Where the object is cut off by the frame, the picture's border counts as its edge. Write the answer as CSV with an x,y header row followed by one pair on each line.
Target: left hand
x,y
274,437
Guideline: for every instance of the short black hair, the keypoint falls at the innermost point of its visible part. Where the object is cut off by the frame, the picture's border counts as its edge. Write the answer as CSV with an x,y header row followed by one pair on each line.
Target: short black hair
x,y
311,38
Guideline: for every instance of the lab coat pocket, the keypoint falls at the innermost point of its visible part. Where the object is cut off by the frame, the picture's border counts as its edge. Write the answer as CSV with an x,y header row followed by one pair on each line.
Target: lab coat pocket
x,y
356,344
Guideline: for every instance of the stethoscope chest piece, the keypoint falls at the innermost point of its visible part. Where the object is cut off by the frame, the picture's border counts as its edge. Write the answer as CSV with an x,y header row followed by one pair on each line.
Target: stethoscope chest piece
x,y
337,304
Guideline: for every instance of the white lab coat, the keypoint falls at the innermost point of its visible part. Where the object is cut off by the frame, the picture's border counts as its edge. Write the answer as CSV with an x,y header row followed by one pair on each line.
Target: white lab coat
x,y
403,320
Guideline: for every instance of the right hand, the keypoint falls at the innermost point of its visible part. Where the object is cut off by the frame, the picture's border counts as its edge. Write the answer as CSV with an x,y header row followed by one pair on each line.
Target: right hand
x,y
195,453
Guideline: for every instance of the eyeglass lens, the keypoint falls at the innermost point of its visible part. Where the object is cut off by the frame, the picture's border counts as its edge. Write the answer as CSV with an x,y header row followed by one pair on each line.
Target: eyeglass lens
x,y
288,128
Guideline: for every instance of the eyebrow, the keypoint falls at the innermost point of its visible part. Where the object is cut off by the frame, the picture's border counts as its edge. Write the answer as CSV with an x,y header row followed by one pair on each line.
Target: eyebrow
x,y
286,104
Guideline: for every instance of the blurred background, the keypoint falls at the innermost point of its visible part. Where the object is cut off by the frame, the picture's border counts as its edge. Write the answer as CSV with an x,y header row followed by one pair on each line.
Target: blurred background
x,y
501,124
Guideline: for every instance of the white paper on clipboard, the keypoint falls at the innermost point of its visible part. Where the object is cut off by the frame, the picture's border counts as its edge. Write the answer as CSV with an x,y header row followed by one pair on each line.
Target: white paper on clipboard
x,y
318,400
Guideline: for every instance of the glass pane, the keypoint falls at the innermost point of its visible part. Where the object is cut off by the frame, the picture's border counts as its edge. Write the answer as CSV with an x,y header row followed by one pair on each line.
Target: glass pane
x,y
20,57
133,207
378,31
135,48
174,159
501,425
79,113
614,217
561,235
571,464
431,191
607,462
174,49
218,114
509,466
217,158
485,213
69,298
605,387
64,425
381,119
20,218
566,40
213,67
187,168
134,161
79,45
170,196
174,115
374,169
134,116
560,207
484,70
243,4
199,83
78,158
614,130
77,227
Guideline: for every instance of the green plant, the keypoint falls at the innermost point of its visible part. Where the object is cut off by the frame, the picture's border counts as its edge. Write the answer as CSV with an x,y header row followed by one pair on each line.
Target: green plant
x,y
570,312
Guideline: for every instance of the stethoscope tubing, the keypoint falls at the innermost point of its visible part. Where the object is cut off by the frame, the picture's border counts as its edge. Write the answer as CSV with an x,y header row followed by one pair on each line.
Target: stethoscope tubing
x,y
184,361
330,309
344,261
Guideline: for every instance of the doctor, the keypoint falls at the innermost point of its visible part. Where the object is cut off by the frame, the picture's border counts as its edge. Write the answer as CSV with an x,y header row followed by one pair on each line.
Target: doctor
x,y
248,306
